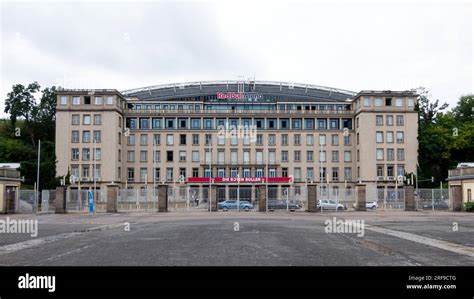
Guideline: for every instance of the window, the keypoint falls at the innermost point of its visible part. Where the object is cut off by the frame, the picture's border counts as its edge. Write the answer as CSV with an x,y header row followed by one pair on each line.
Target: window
x,y
284,123
131,174
143,174
296,123
169,123
63,100
157,139
86,120
246,140
309,156
76,119
169,139
334,124
400,120
143,139
390,153
322,139
220,172
378,102
271,139
379,120
195,172
297,139
76,100
284,156
347,140
157,156
259,157
390,170
246,157
196,123
208,139
75,154
195,139
380,170
347,173
388,101
399,102
220,157
400,170
389,119
284,139
169,174
309,124
400,137
75,171
195,156
182,139
335,173
380,154
75,137
367,102
310,173
97,136
322,156
131,139
233,140
271,123
86,136
86,154
297,156
182,156
335,139
233,157
400,154
411,102
97,100
183,123
87,100
259,139
156,123
379,137
110,100
131,156
322,124
335,156
169,156
389,137
143,156
309,139
97,154
85,171
284,172
144,123
297,174
347,156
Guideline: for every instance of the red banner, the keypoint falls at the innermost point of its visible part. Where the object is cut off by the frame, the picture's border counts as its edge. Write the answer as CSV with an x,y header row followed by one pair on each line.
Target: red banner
x,y
288,180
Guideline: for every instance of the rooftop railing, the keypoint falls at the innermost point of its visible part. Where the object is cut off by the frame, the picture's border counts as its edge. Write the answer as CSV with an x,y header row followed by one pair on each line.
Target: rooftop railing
x,y
461,171
240,112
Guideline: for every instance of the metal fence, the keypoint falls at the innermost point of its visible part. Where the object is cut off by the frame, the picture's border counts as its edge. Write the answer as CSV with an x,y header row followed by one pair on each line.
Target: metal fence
x,y
292,198
77,200
27,202
432,199
188,198
335,199
137,200
386,198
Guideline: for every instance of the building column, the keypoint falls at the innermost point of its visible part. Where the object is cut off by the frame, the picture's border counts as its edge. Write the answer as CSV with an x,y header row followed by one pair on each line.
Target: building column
x,y
312,198
252,196
213,199
361,197
112,195
163,198
226,192
279,192
262,200
60,200
410,204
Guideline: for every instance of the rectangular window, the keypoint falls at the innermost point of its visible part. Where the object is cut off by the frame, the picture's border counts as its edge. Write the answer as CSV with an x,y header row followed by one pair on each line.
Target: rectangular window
x,y
309,156
195,156
380,154
156,123
182,156
347,140
367,102
98,100
143,156
75,137
379,120
297,156
169,174
143,174
86,136
75,154
86,120
389,137
144,139
157,139
399,102
297,139
400,137
169,156
271,139
379,137
400,154
284,139
169,139
272,157
335,139
400,120
309,139
390,154
76,100
322,156
130,156
131,174
195,139
389,119
284,156
246,157
157,156
182,139
76,119
97,154
63,100
347,173
378,102
131,139
335,156
110,100
335,173
97,136
86,154
220,157
322,139
347,156
233,157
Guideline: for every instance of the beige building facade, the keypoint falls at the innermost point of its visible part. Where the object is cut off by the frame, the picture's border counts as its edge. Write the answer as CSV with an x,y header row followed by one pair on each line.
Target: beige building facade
x,y
272,133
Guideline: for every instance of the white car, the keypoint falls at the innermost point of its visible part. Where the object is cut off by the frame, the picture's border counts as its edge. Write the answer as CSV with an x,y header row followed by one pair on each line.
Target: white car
x,y
368,205
328,204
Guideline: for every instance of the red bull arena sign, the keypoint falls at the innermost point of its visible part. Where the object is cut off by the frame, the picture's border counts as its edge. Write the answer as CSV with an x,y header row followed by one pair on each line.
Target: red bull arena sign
x,y
240,96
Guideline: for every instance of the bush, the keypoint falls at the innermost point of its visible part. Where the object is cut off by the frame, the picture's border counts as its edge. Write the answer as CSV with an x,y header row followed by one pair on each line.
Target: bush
x,y
469,206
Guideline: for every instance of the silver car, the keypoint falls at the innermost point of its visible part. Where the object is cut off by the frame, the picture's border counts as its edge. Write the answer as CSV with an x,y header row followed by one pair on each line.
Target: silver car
x,y
328,204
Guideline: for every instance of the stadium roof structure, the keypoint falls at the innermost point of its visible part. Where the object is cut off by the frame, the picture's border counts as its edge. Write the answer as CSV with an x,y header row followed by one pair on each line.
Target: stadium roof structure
x,y
295,91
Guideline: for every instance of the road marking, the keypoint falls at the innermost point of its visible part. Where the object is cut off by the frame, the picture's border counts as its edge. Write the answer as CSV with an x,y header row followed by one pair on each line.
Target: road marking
x,y
453,247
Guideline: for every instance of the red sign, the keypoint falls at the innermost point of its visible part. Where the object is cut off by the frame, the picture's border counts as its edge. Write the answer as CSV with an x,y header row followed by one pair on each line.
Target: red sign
x,y
245,96
241,180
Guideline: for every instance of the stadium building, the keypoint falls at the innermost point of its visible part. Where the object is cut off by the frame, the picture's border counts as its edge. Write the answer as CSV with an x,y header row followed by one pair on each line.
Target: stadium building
x,y
238,133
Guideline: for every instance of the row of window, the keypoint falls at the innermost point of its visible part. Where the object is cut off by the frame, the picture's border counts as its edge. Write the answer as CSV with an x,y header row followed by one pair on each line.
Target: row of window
x,y
259,156
86,136
245,172
379,137
247,139
197,107
259,123
86,119
390,170
86,100
389,120
86,154
379,102
85,171
390,154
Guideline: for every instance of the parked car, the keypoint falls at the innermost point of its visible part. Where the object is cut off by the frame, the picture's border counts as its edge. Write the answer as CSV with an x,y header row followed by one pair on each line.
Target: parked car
x,y
232,204
328,204
281,205
437,206
368,205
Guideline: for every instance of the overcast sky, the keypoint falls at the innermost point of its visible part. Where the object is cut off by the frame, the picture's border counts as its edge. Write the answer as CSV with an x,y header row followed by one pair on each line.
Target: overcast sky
x,y
354,46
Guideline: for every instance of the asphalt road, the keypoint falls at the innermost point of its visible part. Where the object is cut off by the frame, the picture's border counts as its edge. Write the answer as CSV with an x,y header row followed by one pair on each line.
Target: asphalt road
x,y
280,239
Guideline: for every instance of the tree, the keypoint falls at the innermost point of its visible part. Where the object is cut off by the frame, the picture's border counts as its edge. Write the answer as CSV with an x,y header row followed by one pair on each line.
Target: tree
x,y
428,110
464,110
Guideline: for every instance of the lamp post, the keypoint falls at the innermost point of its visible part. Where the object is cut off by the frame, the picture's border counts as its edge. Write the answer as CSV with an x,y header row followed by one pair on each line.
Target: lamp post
x,y
238,192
